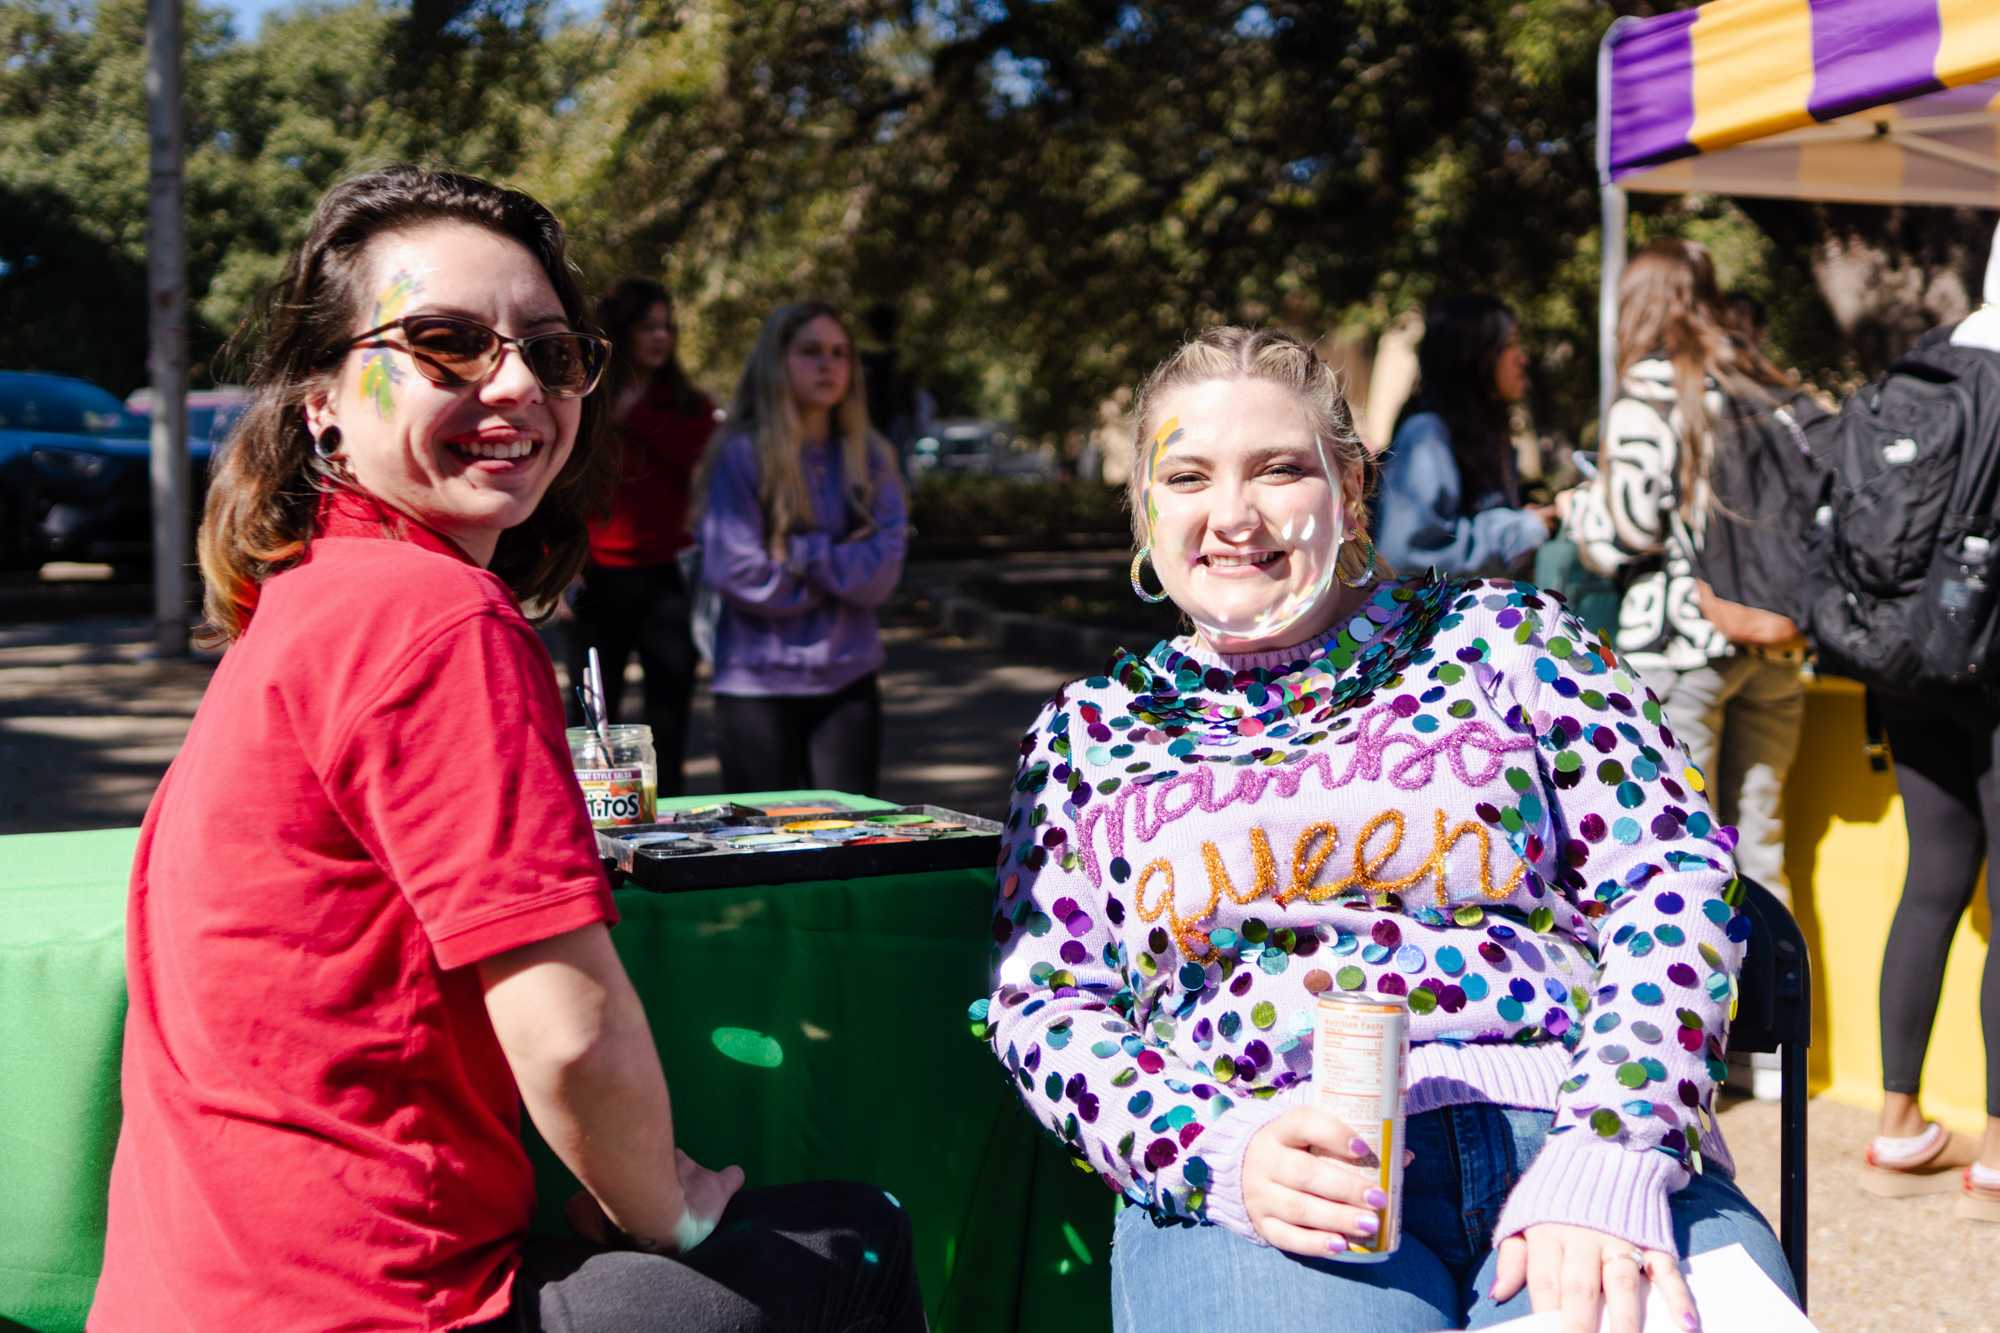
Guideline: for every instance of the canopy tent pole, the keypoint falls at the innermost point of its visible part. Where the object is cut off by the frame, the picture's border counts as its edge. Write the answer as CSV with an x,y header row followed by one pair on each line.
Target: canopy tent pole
x,y
1612,239
1612,270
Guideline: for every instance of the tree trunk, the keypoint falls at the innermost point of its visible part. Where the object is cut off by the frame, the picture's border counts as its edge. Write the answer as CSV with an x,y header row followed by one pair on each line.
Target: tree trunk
x,y
166,283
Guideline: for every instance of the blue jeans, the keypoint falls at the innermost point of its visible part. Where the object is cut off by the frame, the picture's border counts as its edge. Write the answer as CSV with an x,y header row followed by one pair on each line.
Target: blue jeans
x,y
1169,1278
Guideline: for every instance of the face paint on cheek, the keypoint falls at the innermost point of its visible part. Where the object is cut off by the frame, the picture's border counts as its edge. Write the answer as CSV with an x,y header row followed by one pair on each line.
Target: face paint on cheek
x,y
379,376
380,372
1163,440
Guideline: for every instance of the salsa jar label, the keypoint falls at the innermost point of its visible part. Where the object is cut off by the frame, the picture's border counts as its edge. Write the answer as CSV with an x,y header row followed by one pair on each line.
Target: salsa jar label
x,y
615,796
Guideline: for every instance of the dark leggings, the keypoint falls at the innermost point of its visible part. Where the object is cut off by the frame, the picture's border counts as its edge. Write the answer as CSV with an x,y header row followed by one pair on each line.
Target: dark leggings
x,y
785,742
828,1255
1951,802
644,610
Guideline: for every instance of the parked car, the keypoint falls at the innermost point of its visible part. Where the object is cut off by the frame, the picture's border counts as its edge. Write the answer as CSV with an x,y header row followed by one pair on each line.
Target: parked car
x,y
75,474
971,445
212,413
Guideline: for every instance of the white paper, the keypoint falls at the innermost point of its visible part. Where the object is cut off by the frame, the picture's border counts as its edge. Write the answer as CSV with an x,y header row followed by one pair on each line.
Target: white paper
x,y
1730,1292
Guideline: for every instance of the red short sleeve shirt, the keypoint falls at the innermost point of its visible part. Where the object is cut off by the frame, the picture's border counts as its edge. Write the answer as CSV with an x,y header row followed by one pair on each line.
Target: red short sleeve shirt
x,y
320,1128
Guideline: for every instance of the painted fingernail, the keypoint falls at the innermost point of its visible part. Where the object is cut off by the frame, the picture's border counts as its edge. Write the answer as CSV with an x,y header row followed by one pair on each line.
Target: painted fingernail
x,y
1337,1245
1367,1225
1359,1147
1375,1198
1408,1157
1690,1322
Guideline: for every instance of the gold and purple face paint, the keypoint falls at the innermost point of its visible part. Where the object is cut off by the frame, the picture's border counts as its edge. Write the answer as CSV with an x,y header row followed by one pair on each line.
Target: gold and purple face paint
x,y
380,374
1163,439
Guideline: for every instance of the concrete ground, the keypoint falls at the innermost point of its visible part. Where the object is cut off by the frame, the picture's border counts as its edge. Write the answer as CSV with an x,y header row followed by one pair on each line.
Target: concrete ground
x,y
88,720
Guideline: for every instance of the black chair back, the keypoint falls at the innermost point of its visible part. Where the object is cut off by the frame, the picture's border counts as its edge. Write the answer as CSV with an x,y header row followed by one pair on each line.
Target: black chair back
x,y
1774,1005
1774,1013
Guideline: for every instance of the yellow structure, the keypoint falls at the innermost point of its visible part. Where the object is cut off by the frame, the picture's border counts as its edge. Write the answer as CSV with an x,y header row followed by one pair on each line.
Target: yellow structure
x,y
1845,852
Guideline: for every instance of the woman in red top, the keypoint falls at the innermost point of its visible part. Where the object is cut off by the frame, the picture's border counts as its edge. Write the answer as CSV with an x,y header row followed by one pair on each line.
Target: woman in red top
x,y
633,596
367,920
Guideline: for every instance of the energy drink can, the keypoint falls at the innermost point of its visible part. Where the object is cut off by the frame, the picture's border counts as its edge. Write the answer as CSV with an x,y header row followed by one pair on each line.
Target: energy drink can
x,y
1361,1050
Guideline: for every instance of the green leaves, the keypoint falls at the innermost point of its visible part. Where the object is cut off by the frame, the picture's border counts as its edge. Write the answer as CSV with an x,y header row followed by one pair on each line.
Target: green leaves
x,y
1051,194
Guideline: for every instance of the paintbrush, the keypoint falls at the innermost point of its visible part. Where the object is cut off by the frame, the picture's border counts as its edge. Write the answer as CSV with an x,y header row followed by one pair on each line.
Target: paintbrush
x,y
593,703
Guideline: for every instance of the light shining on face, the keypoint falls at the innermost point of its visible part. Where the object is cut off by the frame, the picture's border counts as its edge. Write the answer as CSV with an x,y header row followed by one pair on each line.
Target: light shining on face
x,y
819,365
651,341
1244,513
470,461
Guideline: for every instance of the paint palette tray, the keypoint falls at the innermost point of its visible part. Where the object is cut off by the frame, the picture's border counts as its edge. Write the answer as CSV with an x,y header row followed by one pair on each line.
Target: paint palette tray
x,y
716,848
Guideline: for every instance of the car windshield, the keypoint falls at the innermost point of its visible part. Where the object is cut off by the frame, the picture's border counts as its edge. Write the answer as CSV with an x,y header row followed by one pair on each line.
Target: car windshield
x,y
68,407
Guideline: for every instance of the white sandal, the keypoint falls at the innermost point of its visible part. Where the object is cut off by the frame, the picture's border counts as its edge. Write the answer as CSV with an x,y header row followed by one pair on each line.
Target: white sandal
x,y
1976,1202
1923,1170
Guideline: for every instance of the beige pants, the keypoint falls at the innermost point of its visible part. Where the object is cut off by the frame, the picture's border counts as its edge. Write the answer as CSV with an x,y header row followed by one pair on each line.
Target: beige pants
x,y
1739,717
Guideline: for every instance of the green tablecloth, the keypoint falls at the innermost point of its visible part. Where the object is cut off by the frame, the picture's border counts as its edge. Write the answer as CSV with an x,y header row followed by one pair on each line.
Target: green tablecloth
x,y
808,1030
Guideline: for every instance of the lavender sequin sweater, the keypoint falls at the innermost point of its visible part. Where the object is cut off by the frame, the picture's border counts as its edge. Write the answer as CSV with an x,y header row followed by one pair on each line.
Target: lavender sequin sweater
x,y
1461,797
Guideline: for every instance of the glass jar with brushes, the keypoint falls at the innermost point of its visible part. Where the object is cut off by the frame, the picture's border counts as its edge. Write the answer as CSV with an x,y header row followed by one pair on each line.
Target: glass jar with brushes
x,y
618,771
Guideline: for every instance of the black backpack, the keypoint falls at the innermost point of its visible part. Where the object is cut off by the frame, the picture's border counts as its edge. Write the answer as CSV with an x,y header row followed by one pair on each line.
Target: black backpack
x,y
1766,482
1901,566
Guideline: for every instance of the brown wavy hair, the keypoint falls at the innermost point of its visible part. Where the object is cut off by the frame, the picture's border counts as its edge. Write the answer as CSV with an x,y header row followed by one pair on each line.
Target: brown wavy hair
x,y
1670,307
264,495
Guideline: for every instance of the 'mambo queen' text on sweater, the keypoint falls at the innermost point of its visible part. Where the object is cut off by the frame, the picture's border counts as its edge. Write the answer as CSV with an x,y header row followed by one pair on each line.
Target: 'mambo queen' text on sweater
x,y
1459,796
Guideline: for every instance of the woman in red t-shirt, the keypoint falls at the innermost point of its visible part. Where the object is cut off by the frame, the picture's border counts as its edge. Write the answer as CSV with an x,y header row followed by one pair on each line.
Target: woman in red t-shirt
x,y
367,920
633,596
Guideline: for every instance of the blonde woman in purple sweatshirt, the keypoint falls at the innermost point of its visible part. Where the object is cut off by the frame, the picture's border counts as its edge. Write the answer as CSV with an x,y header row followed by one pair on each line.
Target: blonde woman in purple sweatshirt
x,y
1440,789
802,529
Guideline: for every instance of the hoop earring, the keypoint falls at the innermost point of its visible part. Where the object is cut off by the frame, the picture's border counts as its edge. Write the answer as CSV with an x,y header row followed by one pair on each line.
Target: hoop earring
x,y
1367,565
1139,588
326,444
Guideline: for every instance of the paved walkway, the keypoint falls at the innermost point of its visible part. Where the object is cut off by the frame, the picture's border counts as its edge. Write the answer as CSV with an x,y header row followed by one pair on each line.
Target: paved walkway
x,y
88,722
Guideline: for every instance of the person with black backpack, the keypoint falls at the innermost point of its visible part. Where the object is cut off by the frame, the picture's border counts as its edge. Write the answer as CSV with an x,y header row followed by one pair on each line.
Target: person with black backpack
x,y
1692,454
1902,598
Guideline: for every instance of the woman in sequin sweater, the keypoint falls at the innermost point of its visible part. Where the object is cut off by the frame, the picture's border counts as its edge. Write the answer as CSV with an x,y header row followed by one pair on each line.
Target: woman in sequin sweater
x,y
1442,789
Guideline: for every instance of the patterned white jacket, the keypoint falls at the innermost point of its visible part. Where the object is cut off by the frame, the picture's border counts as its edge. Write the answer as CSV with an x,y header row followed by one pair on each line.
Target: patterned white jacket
x,y
1626,525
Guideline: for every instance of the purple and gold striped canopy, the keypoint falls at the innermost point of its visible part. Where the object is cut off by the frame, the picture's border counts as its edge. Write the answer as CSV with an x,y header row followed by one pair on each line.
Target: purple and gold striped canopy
x,y
1864,100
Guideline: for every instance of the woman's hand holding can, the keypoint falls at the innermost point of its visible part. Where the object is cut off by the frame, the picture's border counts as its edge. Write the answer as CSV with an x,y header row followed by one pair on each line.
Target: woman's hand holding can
x,y
1309,1184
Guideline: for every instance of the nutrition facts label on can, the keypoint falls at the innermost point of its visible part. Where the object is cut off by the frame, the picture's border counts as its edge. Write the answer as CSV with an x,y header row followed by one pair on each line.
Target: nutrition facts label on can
x,y
1358,1068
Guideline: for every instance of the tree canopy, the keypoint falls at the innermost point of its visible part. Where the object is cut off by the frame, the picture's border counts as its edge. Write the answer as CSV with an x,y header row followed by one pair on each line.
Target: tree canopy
x,y
1050,193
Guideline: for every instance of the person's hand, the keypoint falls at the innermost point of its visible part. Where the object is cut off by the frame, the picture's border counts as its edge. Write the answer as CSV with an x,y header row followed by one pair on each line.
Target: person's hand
x,y
1309,1184
705,1194
1549,515
1577,1271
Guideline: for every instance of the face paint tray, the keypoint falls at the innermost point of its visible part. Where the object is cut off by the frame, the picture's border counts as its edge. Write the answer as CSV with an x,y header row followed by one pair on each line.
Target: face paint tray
x,y
727,850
